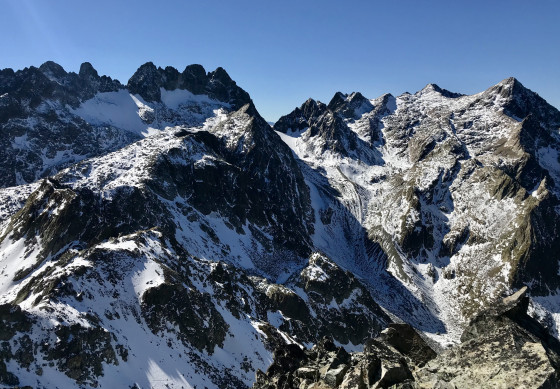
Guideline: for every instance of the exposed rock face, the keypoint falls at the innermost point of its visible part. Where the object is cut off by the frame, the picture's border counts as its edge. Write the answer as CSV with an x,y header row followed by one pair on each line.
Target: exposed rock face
x,y
38,131
193,309
14,321
79,352
180,237
324,300
302,117
385,361
217,85
407,341
139,247
329,127
33,86
50,118
458,195
502,347
169,208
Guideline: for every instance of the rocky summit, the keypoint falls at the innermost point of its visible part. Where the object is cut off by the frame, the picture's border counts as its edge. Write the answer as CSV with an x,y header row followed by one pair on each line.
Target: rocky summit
x,y
160,233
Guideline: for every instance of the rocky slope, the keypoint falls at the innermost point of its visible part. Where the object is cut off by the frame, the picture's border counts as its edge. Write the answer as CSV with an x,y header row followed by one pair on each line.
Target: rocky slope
x,y
163,234
458,195
38,131
182,259
50,118
502,347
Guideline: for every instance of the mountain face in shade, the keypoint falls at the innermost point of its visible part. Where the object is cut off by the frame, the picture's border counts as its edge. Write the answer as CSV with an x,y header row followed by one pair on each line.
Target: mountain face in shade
x,y
148,80
162,234
489,355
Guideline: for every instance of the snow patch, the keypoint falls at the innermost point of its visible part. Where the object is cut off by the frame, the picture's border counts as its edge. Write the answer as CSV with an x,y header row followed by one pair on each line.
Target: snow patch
x,y
148,277
118,109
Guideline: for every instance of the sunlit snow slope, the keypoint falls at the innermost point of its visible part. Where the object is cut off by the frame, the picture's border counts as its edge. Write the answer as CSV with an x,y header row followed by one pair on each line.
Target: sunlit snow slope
x,y
162,234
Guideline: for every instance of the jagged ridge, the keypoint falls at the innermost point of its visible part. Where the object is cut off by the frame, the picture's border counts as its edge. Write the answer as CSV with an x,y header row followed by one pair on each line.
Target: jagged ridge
x,y
410,200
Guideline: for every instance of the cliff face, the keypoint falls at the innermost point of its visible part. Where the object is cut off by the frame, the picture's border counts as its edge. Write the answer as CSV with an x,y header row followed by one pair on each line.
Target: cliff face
x,y
184,256
162,231
456,196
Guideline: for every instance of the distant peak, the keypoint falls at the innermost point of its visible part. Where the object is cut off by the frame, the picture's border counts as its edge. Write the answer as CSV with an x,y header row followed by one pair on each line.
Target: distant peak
x,y
387,96
337,101
431,87
221,74
508,87
51,65
444,92
310,102
146,82
510,81
388,101
171,70
194,79
356,96
342,98
312,108
351,106
147,66
223,88
147,70
513,84
519,101
86,69
301,117
195,70
51,68
340,95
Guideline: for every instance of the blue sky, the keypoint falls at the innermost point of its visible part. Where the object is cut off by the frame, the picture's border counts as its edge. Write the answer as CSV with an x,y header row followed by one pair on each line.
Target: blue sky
x,y
283,52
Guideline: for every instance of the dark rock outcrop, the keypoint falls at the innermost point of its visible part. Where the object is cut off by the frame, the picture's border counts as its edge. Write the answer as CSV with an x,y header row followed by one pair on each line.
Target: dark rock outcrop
x,y
331,302
38,133
218,85
380,365
330,125
302,117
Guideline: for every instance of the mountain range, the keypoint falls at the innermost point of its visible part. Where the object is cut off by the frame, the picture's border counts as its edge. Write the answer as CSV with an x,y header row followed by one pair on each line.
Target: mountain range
x,y
163,234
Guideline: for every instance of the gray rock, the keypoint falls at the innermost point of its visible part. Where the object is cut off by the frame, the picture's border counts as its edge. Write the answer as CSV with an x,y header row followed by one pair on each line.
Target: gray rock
x,y
501,348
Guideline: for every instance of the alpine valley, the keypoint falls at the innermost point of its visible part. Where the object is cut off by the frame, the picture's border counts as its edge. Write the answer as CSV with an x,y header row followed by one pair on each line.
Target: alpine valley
x,y
162,234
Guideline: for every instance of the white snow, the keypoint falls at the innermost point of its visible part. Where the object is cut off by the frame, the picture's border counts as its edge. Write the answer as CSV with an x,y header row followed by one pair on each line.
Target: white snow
x,y
21,142
14,256
372,195
315,273
148,277
291,138
131,113
118,109
373,191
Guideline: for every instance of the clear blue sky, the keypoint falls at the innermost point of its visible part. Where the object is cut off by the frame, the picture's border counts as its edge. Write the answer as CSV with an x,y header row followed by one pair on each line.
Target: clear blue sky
x,y
283,52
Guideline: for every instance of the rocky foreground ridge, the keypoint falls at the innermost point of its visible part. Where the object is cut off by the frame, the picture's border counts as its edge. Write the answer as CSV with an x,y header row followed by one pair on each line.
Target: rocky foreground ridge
x,y
501,348
162,234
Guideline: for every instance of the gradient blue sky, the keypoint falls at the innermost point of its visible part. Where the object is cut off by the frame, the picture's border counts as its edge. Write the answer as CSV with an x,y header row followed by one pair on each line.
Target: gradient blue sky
x,y
283,52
